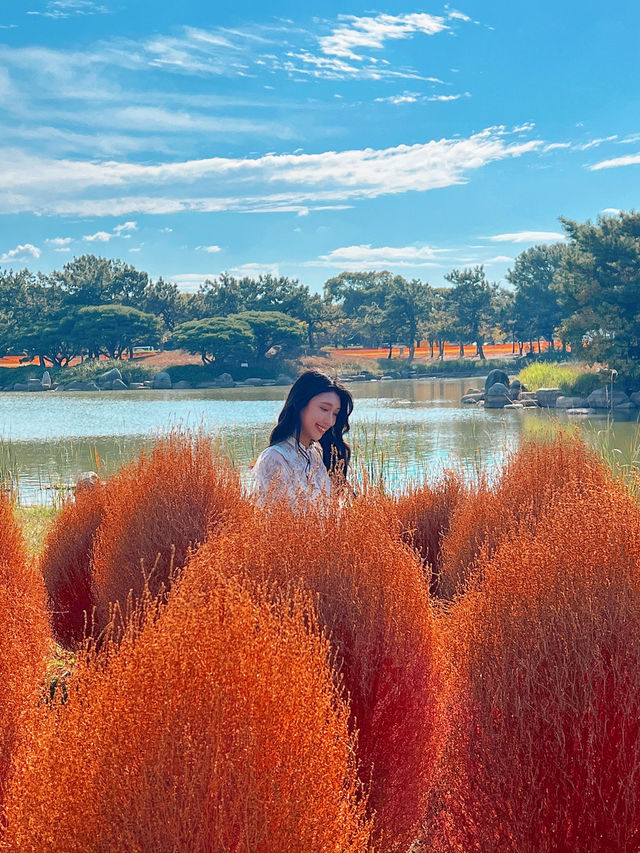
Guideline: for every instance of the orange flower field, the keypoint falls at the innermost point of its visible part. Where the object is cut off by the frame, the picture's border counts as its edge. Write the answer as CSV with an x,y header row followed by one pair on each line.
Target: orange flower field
x,y
453,668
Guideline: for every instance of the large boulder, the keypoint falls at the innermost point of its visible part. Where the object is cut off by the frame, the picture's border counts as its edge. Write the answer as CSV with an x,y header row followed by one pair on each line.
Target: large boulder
x,y
497,396
108,377
20,386
496,376
34,385
119,385
225,380
162,381
285,379
547,397
470,399
46,380
254,381
571,403
181,385
604,398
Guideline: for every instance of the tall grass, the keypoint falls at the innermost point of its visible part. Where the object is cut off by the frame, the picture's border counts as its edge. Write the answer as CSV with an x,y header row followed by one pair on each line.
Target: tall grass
x,y
215,723
372,601
544,750
572,380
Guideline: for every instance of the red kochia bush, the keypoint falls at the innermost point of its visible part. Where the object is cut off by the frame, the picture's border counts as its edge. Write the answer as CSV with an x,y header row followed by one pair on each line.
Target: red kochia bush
x,y
425,514
156,508
24,637
545,705
215,723
373,602
66,565
521,493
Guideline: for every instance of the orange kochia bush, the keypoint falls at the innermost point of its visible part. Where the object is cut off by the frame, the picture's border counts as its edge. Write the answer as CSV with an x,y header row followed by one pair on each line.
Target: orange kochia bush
x,y
515,500
156,509
25,639
544,750
66,565
214,723
372,600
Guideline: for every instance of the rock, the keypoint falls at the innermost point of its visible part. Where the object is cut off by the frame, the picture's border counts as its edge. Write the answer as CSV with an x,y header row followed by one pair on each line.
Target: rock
x,y
86,480
119,385
472,398
602,398
497,396
626,407
34,385
571,403
547,397
225,380
80,385
254,381
213,384
46,380
285,379
584,412
162,381
136,386
20,386
473,391
635,397
529,403
517,385
182,384
513,406
108,377
494,377
527,395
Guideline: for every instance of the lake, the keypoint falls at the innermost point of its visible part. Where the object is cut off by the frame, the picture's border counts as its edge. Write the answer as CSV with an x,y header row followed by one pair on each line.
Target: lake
x,y
402,429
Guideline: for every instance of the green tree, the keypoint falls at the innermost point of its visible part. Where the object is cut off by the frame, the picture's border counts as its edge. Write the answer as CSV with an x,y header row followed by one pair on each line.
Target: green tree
x,y
115,329
163,299
599,288
537,310
407,308
216,339
274,331
90,280
472,298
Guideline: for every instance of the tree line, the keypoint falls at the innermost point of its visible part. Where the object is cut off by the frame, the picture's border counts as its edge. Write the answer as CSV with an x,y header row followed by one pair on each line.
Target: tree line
x,y
583,292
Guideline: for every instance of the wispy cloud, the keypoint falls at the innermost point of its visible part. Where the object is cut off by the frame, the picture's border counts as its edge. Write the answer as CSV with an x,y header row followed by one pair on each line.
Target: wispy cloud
x,y
356,33
369,257
284,182
527,237
69,8
212,250
616,162
253,270
58,241
23,252
610,211
417,97
98,237
125,226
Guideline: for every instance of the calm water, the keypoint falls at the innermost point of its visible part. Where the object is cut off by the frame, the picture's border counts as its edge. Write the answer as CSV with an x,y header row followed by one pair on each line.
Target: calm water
x,y
402,429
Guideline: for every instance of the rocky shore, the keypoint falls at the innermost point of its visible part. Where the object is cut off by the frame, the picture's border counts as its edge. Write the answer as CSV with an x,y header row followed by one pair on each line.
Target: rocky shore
x,y
501,393
112,380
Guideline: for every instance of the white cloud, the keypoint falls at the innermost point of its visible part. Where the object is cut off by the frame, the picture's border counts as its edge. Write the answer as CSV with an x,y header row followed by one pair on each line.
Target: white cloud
x,y
98,237
416,97
616,162
23,252
63,249
212,250
126,226
610,211
190,282
527,237
367,32
499,259
68,8
556,145
595,143
254,270
165,230
58,241
274,182
367,256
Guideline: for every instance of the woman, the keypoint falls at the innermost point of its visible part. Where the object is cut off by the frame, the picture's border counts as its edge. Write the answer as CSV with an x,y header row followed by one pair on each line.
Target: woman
x,y
307,457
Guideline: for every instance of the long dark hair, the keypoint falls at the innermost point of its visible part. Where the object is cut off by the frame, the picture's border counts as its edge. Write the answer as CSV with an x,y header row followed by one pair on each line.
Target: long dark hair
x,y
336,453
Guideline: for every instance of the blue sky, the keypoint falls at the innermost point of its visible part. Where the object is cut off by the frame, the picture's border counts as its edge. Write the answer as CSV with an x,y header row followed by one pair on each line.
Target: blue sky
x,y
306,139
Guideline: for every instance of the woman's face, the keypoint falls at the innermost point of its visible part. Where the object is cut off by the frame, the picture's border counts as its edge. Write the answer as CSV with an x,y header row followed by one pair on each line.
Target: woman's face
x,y
318,416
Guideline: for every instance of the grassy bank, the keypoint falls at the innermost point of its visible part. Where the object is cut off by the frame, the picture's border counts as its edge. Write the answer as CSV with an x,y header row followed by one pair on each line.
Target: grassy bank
x,y
573,380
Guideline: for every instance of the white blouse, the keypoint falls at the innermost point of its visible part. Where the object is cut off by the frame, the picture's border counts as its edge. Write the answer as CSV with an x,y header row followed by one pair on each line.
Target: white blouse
x,y
283,471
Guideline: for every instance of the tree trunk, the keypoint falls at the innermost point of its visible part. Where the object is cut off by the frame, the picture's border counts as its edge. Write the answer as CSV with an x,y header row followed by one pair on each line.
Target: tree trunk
x,y
513,346
479,349
461,349
539,349
412,351
430,349
390,349
441,349
520,347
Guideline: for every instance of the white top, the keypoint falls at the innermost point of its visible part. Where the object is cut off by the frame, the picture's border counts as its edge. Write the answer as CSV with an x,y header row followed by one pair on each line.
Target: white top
x,y
283,471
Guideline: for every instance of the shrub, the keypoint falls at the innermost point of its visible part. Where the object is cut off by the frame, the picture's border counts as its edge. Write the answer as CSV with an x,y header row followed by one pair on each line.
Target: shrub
x,y
373,603
545,704
425,514
518,496
66,565
572,380
156,509
214,725
24,637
